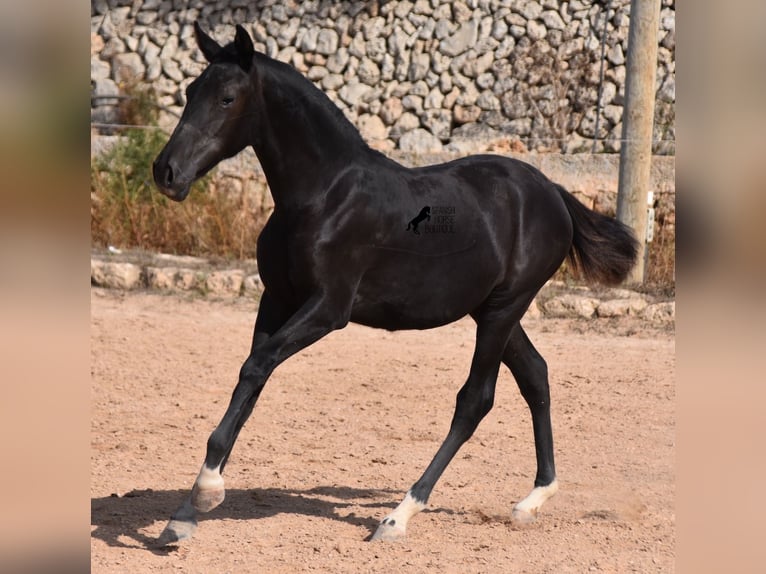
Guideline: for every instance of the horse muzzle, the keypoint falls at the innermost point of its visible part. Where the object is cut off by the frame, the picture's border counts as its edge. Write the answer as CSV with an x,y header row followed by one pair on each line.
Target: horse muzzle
x,y
167,180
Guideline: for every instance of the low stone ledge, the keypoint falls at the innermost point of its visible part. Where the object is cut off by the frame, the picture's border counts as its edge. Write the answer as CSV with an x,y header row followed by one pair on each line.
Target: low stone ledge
x,y
607,304
252,285
164,272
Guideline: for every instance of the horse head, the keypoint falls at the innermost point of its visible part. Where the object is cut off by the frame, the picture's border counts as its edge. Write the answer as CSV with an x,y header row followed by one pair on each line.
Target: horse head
x,y
211,126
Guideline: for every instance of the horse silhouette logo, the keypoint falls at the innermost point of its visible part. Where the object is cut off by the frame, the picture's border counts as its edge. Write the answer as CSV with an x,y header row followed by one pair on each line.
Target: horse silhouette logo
x,y
425,213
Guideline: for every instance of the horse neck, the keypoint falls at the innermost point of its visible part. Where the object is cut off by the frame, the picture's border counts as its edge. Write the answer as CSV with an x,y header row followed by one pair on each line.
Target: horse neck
x,y
302,144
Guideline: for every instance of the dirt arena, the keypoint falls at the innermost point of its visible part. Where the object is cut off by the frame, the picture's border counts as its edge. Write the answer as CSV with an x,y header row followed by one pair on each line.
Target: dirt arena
x,y
345,427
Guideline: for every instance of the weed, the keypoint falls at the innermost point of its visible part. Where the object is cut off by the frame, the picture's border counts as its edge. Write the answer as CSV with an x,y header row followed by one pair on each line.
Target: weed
x,y
558,90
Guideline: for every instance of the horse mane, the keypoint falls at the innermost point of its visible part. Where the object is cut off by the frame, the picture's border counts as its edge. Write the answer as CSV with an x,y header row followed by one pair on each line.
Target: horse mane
x,y
310,104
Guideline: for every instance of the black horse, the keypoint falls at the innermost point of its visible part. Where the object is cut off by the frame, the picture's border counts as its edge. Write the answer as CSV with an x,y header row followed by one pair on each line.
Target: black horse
x,y
334,250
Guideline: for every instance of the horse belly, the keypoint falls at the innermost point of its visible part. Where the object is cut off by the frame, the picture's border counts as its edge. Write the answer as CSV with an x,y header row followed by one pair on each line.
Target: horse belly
x,y
414,297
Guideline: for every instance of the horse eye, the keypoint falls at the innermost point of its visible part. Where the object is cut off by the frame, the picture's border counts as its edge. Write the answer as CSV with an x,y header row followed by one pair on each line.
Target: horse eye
x,y
226,101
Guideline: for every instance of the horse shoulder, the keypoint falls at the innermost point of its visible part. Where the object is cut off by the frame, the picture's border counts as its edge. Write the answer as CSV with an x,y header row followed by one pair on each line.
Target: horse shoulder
x,y
352,197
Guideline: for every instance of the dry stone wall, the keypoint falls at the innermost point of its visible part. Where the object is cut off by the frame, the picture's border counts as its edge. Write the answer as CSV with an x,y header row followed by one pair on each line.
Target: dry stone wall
x,y
421,76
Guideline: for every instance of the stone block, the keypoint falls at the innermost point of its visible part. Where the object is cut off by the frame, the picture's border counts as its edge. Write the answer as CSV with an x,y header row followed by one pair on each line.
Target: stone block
x,y
420,141
632,306
116,275
225,282
661,312
459,42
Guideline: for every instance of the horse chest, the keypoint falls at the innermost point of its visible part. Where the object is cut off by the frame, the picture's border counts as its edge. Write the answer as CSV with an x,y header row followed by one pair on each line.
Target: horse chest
x,y
285,262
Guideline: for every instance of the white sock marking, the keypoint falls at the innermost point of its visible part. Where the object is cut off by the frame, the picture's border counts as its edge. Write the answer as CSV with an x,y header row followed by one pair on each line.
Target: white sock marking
x,y
535,499
209,479
407,508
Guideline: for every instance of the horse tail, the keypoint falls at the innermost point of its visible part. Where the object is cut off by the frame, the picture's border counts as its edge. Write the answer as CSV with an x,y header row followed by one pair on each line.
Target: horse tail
x,y
603,250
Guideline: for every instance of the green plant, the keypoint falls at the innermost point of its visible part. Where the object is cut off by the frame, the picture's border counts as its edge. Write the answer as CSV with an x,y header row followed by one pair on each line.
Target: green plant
x,y
124,203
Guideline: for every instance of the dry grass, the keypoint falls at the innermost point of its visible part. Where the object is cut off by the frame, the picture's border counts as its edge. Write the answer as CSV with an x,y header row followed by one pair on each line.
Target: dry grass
x,y
128,212
661,260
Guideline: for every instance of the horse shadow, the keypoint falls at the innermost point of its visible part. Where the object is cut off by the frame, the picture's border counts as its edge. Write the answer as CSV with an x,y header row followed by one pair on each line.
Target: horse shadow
x,y
120,520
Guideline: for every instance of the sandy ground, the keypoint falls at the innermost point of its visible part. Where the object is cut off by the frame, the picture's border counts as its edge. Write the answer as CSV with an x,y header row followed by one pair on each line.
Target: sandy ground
x,y
343,429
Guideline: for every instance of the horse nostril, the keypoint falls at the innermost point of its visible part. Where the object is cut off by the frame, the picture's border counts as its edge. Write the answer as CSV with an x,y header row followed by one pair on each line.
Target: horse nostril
x,y
163,173
168,175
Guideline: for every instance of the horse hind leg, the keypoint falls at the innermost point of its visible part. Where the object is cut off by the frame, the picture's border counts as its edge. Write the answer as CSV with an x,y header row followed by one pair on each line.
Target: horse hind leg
x,y
531,374
474,401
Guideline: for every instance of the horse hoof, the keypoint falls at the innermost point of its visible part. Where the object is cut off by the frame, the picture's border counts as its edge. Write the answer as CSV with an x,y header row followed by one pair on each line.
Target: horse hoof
x,y
176,531
388,531
207,499
523,517
525,511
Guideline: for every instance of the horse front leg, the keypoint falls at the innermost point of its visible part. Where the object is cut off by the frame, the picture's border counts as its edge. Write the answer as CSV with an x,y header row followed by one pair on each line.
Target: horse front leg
x,y
315,319
208,490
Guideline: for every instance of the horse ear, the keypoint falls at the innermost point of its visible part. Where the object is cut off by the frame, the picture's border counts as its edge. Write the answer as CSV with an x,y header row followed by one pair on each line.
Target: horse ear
x,y
245,50
209,47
